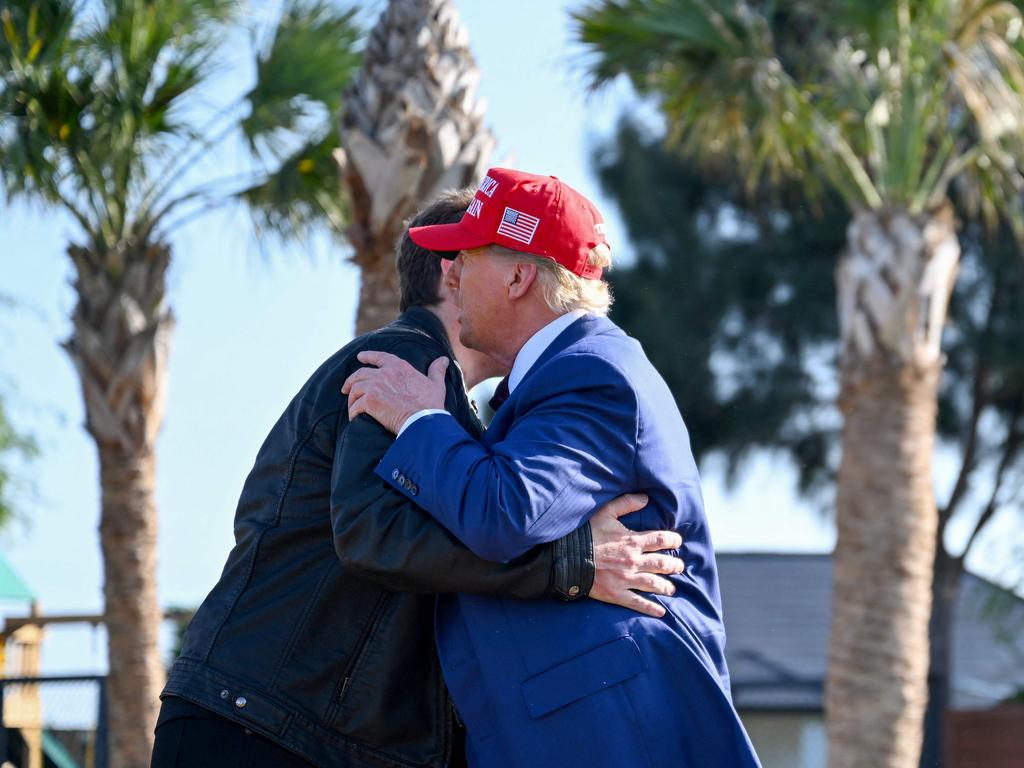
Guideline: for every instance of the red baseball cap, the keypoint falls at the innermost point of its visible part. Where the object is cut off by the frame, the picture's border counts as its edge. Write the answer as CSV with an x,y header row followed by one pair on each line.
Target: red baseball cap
x,y
526,212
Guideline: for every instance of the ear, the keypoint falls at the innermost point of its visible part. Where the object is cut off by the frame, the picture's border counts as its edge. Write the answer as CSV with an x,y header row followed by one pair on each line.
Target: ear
x,y
521,279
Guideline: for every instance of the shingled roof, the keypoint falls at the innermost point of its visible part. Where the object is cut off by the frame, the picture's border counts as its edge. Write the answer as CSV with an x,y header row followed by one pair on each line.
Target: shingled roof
x,y
777,622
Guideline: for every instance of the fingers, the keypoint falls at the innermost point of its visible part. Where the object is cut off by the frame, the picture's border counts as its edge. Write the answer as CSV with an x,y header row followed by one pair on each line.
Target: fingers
x,y
359,400
355,378
384,361
654,541
623,505
356,405
661,564
639,604
380,359
656,585
437,370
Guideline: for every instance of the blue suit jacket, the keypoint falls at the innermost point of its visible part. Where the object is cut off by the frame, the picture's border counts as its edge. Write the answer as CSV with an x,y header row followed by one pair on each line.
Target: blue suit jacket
x,y
542,683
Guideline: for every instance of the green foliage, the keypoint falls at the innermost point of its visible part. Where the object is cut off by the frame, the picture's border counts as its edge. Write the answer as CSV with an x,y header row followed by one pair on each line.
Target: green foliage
x,y
714,72
301,75
984,365
83,116
39,101
303,192
311,56
981,397
181,617
887,103
733,299
15,449
1001,610
103,111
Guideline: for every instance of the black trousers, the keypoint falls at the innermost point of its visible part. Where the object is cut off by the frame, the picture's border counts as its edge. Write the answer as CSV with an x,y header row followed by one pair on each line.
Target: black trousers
x,y
212,742
187,736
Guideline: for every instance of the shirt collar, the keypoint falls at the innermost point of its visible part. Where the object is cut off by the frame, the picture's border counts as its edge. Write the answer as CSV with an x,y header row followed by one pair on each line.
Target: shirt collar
x,y
536,344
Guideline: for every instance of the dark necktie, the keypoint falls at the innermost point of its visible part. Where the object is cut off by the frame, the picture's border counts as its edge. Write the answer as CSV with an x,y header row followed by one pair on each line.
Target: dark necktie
x,y
500,395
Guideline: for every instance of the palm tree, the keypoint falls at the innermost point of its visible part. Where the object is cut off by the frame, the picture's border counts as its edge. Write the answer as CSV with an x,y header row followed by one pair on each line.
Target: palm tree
x,y
412,126
896,106
103,116
15,447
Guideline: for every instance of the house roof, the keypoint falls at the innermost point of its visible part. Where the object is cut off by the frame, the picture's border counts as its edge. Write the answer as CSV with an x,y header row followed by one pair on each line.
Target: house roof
x,y
777,610
11,585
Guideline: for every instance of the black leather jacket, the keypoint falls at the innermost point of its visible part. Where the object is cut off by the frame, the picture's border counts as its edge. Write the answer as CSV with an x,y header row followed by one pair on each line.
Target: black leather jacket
x,y
319,633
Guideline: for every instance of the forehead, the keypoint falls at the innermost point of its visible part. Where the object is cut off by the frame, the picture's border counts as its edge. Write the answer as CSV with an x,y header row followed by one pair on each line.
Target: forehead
x,y
478,256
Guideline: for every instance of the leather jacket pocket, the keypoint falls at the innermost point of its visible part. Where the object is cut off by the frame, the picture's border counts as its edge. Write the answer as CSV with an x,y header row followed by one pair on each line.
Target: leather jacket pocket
x,y
594,670
359,654
390,696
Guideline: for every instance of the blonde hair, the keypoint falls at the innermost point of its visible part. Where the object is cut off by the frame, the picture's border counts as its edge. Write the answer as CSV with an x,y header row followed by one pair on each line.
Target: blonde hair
x,y
561,289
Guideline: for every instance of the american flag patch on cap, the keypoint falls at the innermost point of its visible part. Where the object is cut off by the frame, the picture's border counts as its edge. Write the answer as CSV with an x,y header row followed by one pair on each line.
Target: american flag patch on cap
x,y
518,226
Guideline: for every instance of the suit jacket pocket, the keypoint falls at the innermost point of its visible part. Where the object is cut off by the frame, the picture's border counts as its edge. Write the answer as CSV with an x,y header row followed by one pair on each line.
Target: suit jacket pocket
x,y
601,667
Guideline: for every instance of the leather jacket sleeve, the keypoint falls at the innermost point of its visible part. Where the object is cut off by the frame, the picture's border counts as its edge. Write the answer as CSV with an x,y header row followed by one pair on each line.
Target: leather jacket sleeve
x,y
382,536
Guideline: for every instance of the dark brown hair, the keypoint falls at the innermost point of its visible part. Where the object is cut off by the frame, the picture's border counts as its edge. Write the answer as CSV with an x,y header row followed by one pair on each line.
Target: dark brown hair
x,y
419,270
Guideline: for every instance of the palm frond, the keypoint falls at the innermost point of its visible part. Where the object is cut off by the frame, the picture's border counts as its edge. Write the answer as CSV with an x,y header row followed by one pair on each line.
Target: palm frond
x,y
98,111
886,101
153,55
303,192
984,60
16,448
38,99
89,97
719,76
311,56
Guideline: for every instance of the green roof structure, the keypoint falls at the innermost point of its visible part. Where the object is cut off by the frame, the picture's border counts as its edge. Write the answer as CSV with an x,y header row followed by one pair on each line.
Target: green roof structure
x,y
11,585
55,752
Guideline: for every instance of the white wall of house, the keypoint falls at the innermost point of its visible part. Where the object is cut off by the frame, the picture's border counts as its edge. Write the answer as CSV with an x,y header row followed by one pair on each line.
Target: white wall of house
x,y
795,740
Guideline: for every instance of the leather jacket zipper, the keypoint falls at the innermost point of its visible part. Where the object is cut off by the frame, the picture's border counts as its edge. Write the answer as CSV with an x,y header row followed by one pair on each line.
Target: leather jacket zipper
x,y
364,641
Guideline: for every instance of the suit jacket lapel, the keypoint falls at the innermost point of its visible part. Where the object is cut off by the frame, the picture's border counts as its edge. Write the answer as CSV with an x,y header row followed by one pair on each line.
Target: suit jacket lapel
x,y
588,325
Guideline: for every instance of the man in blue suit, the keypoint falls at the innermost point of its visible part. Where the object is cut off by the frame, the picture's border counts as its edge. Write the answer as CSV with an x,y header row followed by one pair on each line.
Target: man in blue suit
x,y
586,419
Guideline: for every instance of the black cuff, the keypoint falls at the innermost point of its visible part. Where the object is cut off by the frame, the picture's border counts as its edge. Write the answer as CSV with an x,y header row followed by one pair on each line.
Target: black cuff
x,y
573,567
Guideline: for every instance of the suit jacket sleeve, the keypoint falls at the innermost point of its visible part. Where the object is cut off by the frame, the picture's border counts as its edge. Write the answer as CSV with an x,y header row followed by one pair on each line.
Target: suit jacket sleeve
x,y
385,537
570,449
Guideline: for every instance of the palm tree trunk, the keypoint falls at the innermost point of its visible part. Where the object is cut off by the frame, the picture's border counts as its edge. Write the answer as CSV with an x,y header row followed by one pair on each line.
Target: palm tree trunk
x,y
878,659
374,253
412,127
120,346
894,283
378,291
128,534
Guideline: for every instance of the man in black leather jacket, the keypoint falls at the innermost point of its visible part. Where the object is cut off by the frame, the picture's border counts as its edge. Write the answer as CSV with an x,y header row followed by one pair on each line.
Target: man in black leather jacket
x,y
316,646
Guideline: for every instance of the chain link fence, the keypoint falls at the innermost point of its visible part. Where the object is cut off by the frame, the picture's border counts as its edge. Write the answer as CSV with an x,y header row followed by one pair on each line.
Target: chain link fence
x,y
53,722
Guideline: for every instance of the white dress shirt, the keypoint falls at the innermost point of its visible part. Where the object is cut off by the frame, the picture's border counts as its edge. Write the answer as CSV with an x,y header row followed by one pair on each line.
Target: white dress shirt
x,y
534,347
528,354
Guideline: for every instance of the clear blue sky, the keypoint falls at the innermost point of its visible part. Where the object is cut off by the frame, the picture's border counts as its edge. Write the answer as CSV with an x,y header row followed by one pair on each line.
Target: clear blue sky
x,y
253,324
